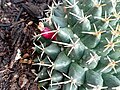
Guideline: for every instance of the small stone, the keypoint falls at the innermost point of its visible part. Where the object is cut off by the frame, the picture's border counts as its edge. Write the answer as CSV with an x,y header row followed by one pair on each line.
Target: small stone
x,y
26,55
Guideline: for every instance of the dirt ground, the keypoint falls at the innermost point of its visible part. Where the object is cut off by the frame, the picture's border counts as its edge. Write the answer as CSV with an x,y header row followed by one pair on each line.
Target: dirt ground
x,y
15,33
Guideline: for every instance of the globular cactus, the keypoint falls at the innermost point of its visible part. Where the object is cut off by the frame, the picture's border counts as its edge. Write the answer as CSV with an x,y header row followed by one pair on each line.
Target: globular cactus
x,y
79,46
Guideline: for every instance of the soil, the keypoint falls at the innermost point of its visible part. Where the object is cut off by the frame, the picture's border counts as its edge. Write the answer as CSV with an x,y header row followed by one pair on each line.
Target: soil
x,y
16,32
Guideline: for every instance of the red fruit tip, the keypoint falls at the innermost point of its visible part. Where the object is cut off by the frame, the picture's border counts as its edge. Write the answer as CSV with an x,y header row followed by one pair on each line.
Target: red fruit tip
x,y
40,26
47,34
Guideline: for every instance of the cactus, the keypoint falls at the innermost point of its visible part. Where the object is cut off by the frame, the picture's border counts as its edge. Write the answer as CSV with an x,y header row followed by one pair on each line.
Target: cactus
x,y
84,55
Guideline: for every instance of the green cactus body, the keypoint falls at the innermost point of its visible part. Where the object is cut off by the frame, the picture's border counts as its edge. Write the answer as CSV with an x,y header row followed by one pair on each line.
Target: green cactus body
x,y
86,52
